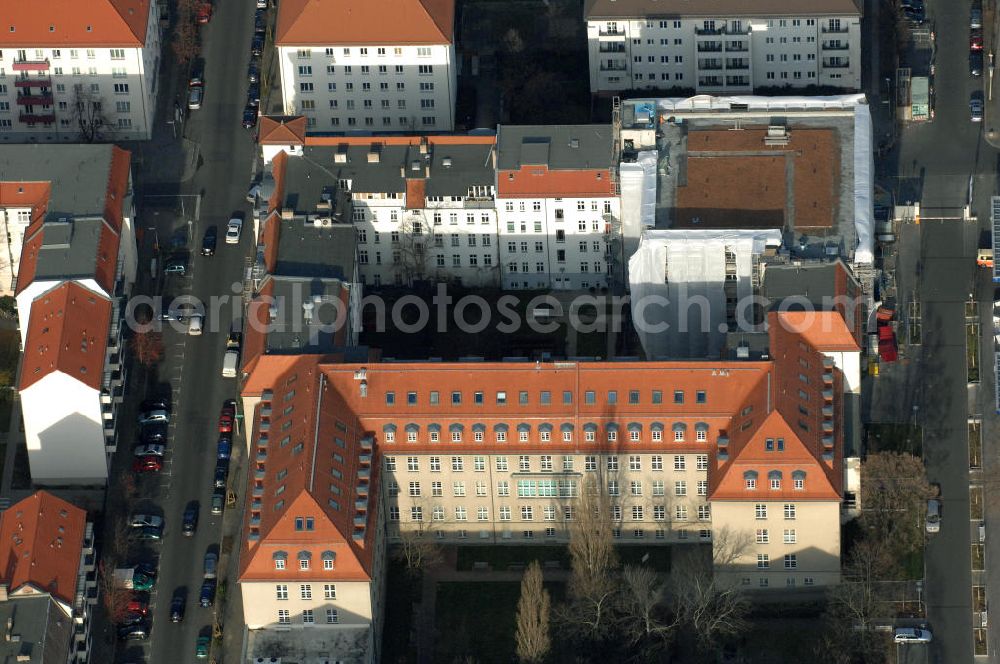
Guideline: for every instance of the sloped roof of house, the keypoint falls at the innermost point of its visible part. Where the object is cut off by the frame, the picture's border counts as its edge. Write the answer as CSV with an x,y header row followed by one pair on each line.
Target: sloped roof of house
x,y
554,160
282,130
55,23
345,22
41,539
823,330
68,333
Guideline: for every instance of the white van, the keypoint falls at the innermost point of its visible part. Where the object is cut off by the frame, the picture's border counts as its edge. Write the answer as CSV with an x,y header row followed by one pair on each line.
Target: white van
x,y
195,324
230,363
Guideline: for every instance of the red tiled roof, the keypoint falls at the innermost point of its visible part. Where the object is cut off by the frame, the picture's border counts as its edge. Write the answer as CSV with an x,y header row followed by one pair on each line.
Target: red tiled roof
x,y
68,23
67,332
388,22
41,540
540,181
823,330
282,130
415,188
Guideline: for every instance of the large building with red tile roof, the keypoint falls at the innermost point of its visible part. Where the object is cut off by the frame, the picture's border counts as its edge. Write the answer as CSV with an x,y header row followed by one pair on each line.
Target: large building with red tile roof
x,y
495,453
48,581
386,66
77,266
82,71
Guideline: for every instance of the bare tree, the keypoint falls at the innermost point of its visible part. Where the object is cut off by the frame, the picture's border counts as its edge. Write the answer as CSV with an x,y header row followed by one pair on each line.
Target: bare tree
x,y
186,41
894,489
415,238
416,547
593,558
643,595
533,640
148,348
856,606
114,597
89,115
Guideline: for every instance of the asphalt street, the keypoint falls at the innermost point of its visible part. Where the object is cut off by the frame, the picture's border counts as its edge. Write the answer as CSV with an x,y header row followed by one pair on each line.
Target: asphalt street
x,y
936,162
190,374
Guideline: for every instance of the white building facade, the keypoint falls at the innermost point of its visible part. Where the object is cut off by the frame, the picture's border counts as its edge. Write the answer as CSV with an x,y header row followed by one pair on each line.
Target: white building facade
x,y
98,82
733,51
366,69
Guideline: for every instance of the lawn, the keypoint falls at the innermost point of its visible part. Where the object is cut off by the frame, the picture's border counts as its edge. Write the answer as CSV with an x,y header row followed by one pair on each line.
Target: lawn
x,y
477,619
403,592
972,351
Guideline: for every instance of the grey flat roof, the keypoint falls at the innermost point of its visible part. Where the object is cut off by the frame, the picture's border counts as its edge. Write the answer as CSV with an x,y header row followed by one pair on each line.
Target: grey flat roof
x,y
79,174
558,146
811,280
306,250
292,331
43,629
471,165
722,9
69,249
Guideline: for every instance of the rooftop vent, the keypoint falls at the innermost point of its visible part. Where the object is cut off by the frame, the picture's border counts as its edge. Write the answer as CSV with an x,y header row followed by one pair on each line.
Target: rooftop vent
x,y
777,135
574,143
415,165
341,155
374,154
307,310
446,162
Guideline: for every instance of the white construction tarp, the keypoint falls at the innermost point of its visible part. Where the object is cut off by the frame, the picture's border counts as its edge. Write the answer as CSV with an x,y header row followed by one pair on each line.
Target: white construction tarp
x,y
864,195
758,103
677,279
638,182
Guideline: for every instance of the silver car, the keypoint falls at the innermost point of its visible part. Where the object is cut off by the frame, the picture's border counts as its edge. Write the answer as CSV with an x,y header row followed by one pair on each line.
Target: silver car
x,y
976,110
933,523
211,564
146,521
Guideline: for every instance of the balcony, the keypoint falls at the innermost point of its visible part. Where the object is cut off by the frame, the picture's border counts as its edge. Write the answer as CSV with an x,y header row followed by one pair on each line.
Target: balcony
x,y
480,203
737,82
612,47
613,66
40,82
710,65
31,65
737,65
709,32
360,521
37,118
611,32
710,47
831,30
836,63
34,100
835,46
710,82
736,47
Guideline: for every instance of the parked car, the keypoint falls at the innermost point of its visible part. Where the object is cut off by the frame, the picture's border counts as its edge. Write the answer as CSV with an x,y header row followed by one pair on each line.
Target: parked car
x,y
143,581
153,412
148,464
911,635
207,597
253,72
196,325
175,266
975,18
138,604
976,63
138,631
253,94
976,107
150,533
233,230
190,519
221,474
218,501
257,45
933,522
259,23
261,4
249,117
209,241
976,40
177,605
150,449
204,14
224,449
914,14
211,564
154,432
226,415
141,520
196,94
201,647
132,618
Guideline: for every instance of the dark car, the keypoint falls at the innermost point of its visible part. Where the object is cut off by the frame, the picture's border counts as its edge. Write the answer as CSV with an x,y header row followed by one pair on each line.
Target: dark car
x,y
154,432
976,40
221,473
150,533
209,241
976,63
138,631
207,597
257,45
190,520
211,564
914,14
249,117
149,464
260,23
253,94
224,449
132,618
218,501
177,605
253,71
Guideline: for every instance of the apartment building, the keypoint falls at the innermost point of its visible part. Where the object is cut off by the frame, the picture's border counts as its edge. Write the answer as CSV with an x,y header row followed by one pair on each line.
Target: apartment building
x,y
72,71
728,48
313,548
368,67
77,267
496,453
49,581
558,208
423,207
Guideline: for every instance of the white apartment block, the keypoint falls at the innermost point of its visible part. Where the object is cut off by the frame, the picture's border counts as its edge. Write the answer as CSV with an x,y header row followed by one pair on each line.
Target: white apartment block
x,y
660,44
558,209
80,74
367,68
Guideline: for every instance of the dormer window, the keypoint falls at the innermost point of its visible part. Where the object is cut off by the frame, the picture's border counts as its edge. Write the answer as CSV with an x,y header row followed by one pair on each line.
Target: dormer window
x,y
750,480
279,559
329,560
304,557
799,480
774,479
